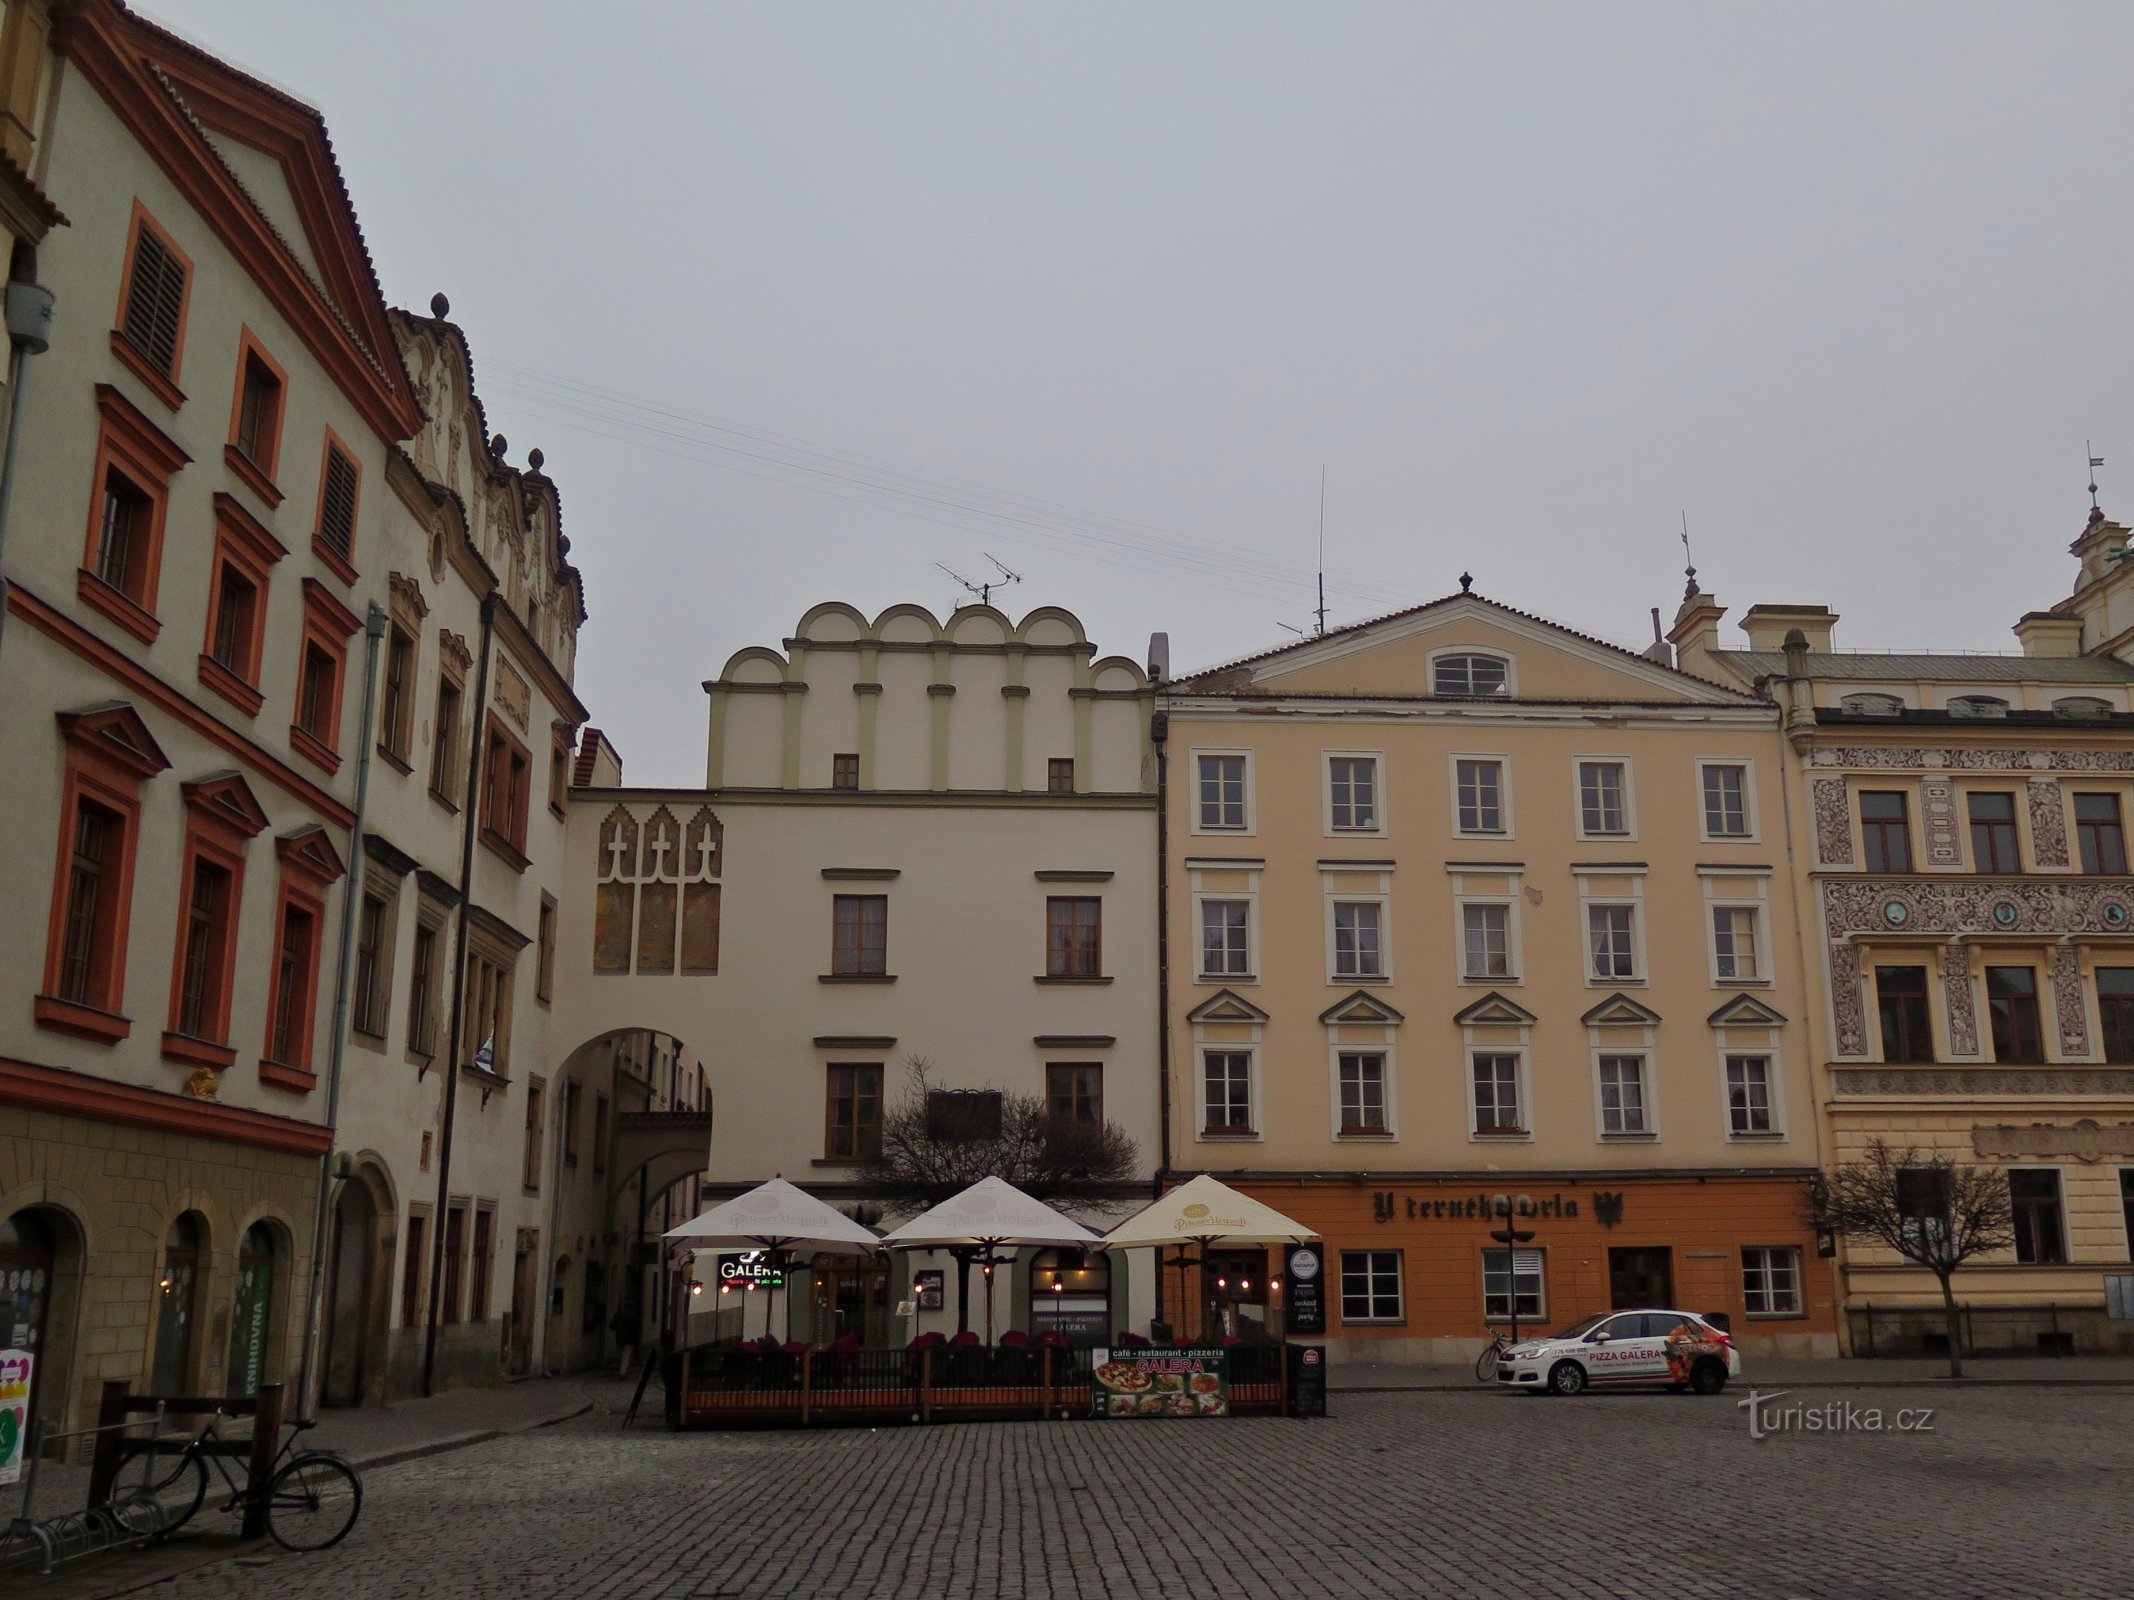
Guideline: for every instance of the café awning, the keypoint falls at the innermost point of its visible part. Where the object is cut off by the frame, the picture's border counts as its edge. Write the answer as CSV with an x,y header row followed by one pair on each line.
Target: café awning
x,y
776,1216
1205,1212
991,1211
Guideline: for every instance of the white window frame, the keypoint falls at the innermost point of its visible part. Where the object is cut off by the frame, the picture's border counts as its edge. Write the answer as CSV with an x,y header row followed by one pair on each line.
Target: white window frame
x,y
1511,666
1251,903
1334,1052
1749,817
1251,816
1774,1083
1377,758
1540,1314
1202,1049
1635,906
1522,1085
1384,974
1400,1288
1604,1051
1504,793
1799,1308
1509,905
1759,930
1578,798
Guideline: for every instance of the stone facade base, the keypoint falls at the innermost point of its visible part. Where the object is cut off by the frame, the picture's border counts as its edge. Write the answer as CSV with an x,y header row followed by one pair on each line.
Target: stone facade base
x,y
2000,1330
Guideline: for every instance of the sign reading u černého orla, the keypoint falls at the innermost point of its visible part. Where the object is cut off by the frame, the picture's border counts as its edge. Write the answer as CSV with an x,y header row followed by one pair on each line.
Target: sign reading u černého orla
x,y
1387,1206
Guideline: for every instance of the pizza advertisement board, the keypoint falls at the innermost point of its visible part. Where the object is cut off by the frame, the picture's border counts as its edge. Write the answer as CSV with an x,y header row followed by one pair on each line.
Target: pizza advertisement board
x,y
15,1369
1161,1383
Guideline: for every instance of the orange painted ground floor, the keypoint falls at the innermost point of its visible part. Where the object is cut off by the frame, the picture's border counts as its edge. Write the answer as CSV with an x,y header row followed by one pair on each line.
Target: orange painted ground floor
x,y
1407,1271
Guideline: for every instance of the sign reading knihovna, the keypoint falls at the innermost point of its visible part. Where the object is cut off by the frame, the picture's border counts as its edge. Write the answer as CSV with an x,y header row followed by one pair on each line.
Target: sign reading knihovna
x,y
1161,1383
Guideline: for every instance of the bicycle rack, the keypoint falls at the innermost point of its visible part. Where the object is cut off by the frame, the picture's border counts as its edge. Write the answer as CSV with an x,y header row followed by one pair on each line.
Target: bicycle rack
x,y
99,1530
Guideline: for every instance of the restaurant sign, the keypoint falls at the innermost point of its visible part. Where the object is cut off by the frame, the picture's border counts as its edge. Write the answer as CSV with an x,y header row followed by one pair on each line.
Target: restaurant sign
x,y
754,1268
1386,1206
1307,1288
1161,1383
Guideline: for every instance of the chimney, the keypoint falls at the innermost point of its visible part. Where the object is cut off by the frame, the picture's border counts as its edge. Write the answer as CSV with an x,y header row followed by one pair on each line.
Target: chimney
x,y
1159,657
1768,626
1659,650
2050,633
1696,634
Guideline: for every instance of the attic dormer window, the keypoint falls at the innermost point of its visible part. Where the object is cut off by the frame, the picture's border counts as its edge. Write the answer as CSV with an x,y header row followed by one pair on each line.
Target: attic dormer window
x,y
1978,705
1470,674
2081,706
1872,705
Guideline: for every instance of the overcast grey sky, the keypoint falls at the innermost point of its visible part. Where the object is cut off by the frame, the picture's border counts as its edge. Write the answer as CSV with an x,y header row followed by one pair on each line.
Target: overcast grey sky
x,y
802,299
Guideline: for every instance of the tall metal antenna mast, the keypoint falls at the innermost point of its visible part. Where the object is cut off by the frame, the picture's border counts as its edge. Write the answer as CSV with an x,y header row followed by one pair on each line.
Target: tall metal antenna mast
x,y
1322,550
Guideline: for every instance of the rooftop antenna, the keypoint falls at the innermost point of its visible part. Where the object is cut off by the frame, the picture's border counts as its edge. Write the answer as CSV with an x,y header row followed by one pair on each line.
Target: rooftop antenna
x,y
1321,613
983,590
1689,564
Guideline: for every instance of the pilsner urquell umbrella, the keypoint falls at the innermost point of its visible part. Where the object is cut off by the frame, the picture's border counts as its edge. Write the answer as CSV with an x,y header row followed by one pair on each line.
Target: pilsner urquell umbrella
x,y
776,1216
1203,1212
990,1213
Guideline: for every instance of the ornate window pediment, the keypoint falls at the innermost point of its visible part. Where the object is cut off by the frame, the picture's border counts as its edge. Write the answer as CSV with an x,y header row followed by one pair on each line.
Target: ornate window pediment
x,y
1494,1010
1362,1009
1620,1011
1226,1005
1745,1011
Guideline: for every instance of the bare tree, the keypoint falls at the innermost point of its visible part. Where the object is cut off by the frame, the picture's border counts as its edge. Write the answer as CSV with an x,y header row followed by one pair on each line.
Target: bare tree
x,y
1929,1209
938,1142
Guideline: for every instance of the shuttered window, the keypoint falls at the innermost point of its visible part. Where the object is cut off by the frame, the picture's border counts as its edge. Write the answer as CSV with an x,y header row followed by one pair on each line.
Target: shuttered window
x,y
337,505
155,301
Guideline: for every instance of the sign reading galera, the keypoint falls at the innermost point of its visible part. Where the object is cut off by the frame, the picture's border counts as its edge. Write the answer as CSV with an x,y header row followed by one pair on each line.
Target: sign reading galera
x,y
1386,1206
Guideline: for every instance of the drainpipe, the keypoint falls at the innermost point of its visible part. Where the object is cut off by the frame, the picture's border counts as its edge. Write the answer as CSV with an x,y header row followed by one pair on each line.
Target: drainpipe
x,y
315,1312
1159,733
473,795
29,333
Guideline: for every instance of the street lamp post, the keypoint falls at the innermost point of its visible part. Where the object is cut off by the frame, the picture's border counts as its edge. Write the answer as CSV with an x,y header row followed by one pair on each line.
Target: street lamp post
x,y
1511,1237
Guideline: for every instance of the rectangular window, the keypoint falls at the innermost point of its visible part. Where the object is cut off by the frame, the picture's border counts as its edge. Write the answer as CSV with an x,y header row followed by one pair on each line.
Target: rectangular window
x,y
1901,997
2012,1003
1363,1091
123,536
422,993
855,1112
236,615
1074,936
1486,941
1370,1286
845,771
1602,812
259,412
559,773
2040,1228
1748,1096
1611,942
1222,793
455,1242
2098,831
963,1116
485,1042
1496,1095
507,771
287,1040
1479,786
1074,1091
1726,801
1993,837
1771,1281
1059,775
1354,797
530,1158
1885,830
153,319
370,995
411,1266
859,944
1226,1078
2115,1008
1735,956
1923,1201
545,951
2126,1204
484,1259
317,694
207,932
1622,1096
444,746
90,923
1512,1278
338,491
396,709
1358,952
1225,938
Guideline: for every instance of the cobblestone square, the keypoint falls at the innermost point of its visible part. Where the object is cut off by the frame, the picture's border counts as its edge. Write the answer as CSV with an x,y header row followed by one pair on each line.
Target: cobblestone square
x,y
2013,1491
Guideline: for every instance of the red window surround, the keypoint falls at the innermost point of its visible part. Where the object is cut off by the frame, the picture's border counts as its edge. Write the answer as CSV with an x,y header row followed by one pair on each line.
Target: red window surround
x,y
256,417
222,816
163,385
132,455
333,539
109,754
309,866
245,553
507,779
328,626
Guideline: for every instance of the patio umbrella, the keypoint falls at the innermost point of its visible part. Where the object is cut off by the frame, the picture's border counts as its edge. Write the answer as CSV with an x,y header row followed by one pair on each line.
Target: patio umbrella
x,y
992,1212
776,1216
1203,1212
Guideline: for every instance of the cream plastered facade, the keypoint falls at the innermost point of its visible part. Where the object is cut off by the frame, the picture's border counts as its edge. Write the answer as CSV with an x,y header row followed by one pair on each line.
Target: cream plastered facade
x,y
2042,735
707,914
1422,1018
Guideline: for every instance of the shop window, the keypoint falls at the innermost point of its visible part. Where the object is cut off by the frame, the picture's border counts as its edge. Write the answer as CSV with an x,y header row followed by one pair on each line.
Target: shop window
x,y
1737,956
1070,1294
2040,1224
321,674
2012,1007
845,771
1478,796
852,1112
2115,1009
1226,1088
1059,775
1901,999
1886,830
1623,1097
1222,793
859,938
1362,1078
254,450
1771,1281
455,1247
1993,835
1749,1108
29,1282
1486,940
414,1255
1512,1280
1225,939
252,1317
340,494
1371,1286
1725,788
1470,674
1497,1109
1074,1091
1359,947
122,561
1603,805
1074,943
149,337
309,866
2098,831
177,1286
506,771
530,1154
1352,794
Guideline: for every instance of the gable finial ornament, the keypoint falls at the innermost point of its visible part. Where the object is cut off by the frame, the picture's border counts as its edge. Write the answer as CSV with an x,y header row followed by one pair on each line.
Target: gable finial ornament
x,y
1689,562
440,307
1467,582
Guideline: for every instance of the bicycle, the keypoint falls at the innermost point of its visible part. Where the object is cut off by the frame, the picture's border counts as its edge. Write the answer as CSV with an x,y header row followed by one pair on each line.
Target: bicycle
x,y
313,1496
1492,1353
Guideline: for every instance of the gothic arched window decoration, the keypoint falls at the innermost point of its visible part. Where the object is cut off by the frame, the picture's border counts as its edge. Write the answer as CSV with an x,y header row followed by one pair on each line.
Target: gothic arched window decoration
x,y
657,909
615,897
658,894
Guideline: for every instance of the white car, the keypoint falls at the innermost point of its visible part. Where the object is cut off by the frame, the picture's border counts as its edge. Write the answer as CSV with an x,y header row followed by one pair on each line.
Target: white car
x,y
1674,1349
